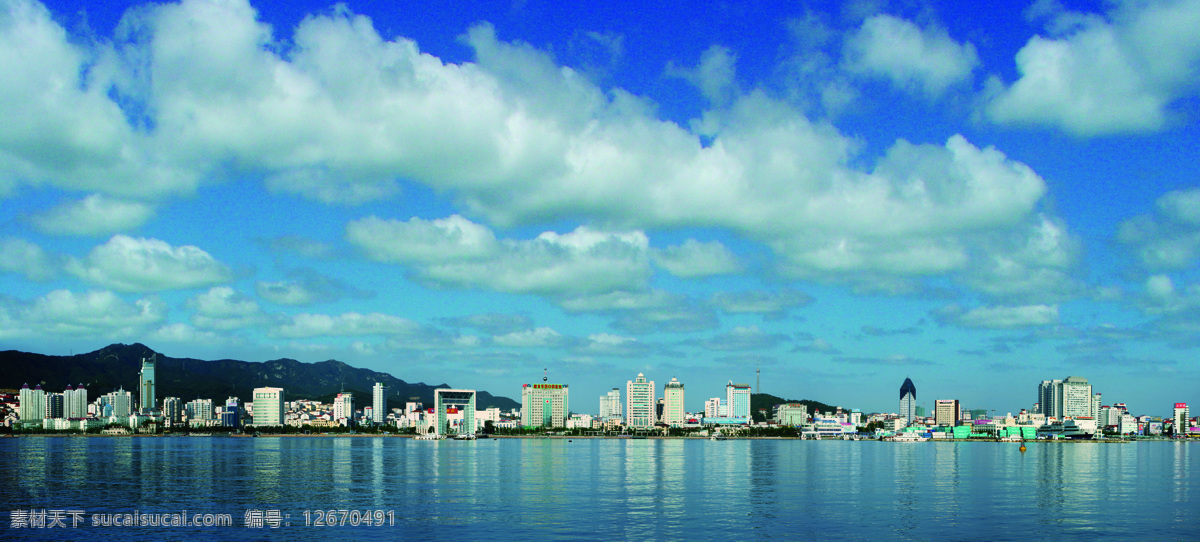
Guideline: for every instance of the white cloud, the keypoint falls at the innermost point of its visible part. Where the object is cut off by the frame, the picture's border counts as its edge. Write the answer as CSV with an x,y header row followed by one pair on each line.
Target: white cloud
x,y
1170,238
927,60
714,76
306,287
95,215
530,338
185,334
744,338
224,308
422,241
96,314
696,259
1000,317
770,304
130,264
350,324
620,300
28,259
1097,75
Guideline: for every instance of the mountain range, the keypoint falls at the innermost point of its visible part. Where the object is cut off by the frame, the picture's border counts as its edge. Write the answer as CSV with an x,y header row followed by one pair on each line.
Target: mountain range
x,y
117,365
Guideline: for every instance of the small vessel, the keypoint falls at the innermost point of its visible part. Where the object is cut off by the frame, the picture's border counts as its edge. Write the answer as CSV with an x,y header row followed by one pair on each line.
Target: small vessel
x,y
464,436
906,437
430,436
718,436
1011,438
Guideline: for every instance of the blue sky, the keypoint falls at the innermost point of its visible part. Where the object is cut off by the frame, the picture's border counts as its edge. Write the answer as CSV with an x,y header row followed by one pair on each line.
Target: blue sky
x,y
840,195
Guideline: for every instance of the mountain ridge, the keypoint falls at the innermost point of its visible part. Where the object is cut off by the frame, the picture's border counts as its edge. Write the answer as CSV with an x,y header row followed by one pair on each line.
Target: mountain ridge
x,y
116,366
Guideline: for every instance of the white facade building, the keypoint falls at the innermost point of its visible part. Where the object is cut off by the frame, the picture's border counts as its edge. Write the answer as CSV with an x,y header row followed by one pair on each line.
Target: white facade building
x,y
378,403
610,405
343,408
268,407
545,405
639,402
673,411
737,397
1181,419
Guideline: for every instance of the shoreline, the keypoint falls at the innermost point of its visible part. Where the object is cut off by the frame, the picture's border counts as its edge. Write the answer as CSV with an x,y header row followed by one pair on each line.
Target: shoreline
x,y
596,437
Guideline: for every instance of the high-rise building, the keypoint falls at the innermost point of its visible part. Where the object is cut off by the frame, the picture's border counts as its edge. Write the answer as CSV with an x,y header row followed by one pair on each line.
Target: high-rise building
x,y
946,412
462,401
908,401
639,402
1050,398
343,407
32,406
673,411
545,405
1076,397
712,407
268,407
231,415
737,396
121,402
172,410
199,410
54,405
378,403
75,402
610,405
1180,419
147,401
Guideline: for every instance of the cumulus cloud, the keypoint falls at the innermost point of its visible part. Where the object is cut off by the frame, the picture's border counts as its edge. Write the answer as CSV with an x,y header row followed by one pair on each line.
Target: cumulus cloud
x,y
350,324
772,305
129,264
98,314
695,259
95,215
645,311
305,287
925,60
224,308
1105,74
744,338
492,323
1169,239
530,338
999,317
337,113
32,261
185,334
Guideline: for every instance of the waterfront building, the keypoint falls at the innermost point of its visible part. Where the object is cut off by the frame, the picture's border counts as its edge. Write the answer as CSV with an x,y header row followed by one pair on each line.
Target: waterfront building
x,y
172,410
75,402
908,401
946,412
378,403
1050,398
54,406
121,402
673,411
448,402
1071,397
268,407
737,397
147,401
200,410
32,405
544,405
231,415
791,414
712,408
639,402
1180,419
610,405
343,408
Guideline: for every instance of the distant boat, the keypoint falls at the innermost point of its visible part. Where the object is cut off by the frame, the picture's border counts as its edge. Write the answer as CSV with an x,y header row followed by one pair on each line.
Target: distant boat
x,y
464,436
718,436
906,437
430,436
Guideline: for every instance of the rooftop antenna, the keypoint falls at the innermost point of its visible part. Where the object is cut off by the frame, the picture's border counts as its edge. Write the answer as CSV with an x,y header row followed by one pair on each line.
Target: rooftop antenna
x,y
544,377
758,377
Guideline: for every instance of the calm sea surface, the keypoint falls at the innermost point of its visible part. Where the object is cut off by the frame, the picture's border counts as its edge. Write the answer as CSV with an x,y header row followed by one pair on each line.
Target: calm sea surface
x,y
602,489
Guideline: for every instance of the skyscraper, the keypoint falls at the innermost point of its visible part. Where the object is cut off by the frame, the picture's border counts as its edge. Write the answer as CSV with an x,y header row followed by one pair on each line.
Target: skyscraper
x,y
673,412
1071,397
268,407
147,401
231,415
908,401
172,410
343,408
75,402
544,405
639,402
737,396
610,405
32,406
1180,419
378,403
946,412
54,405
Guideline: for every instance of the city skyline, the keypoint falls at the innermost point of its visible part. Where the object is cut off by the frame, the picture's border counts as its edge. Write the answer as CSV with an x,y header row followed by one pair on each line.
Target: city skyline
x,y
976,197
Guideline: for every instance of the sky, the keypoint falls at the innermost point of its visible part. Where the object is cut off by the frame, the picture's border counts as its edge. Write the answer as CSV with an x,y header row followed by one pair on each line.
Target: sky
x,y
840,195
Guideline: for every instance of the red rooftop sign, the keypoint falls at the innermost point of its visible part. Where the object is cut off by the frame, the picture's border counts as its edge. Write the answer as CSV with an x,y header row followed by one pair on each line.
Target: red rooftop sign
x,y
1180,405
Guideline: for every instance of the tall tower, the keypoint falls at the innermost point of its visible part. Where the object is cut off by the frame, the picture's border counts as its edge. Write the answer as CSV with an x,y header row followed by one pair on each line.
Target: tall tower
x,y
146,399
639,402
673,411
908,401
378,403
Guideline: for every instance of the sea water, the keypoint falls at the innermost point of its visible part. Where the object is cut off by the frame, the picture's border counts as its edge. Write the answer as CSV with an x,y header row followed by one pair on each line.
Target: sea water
x,y
594,489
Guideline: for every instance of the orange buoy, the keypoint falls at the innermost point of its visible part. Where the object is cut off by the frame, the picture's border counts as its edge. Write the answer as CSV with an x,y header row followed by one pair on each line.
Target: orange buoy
x,y
1022,447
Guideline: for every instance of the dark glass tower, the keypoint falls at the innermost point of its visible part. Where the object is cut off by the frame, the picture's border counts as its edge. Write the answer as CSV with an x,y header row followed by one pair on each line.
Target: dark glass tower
x,y
908,400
